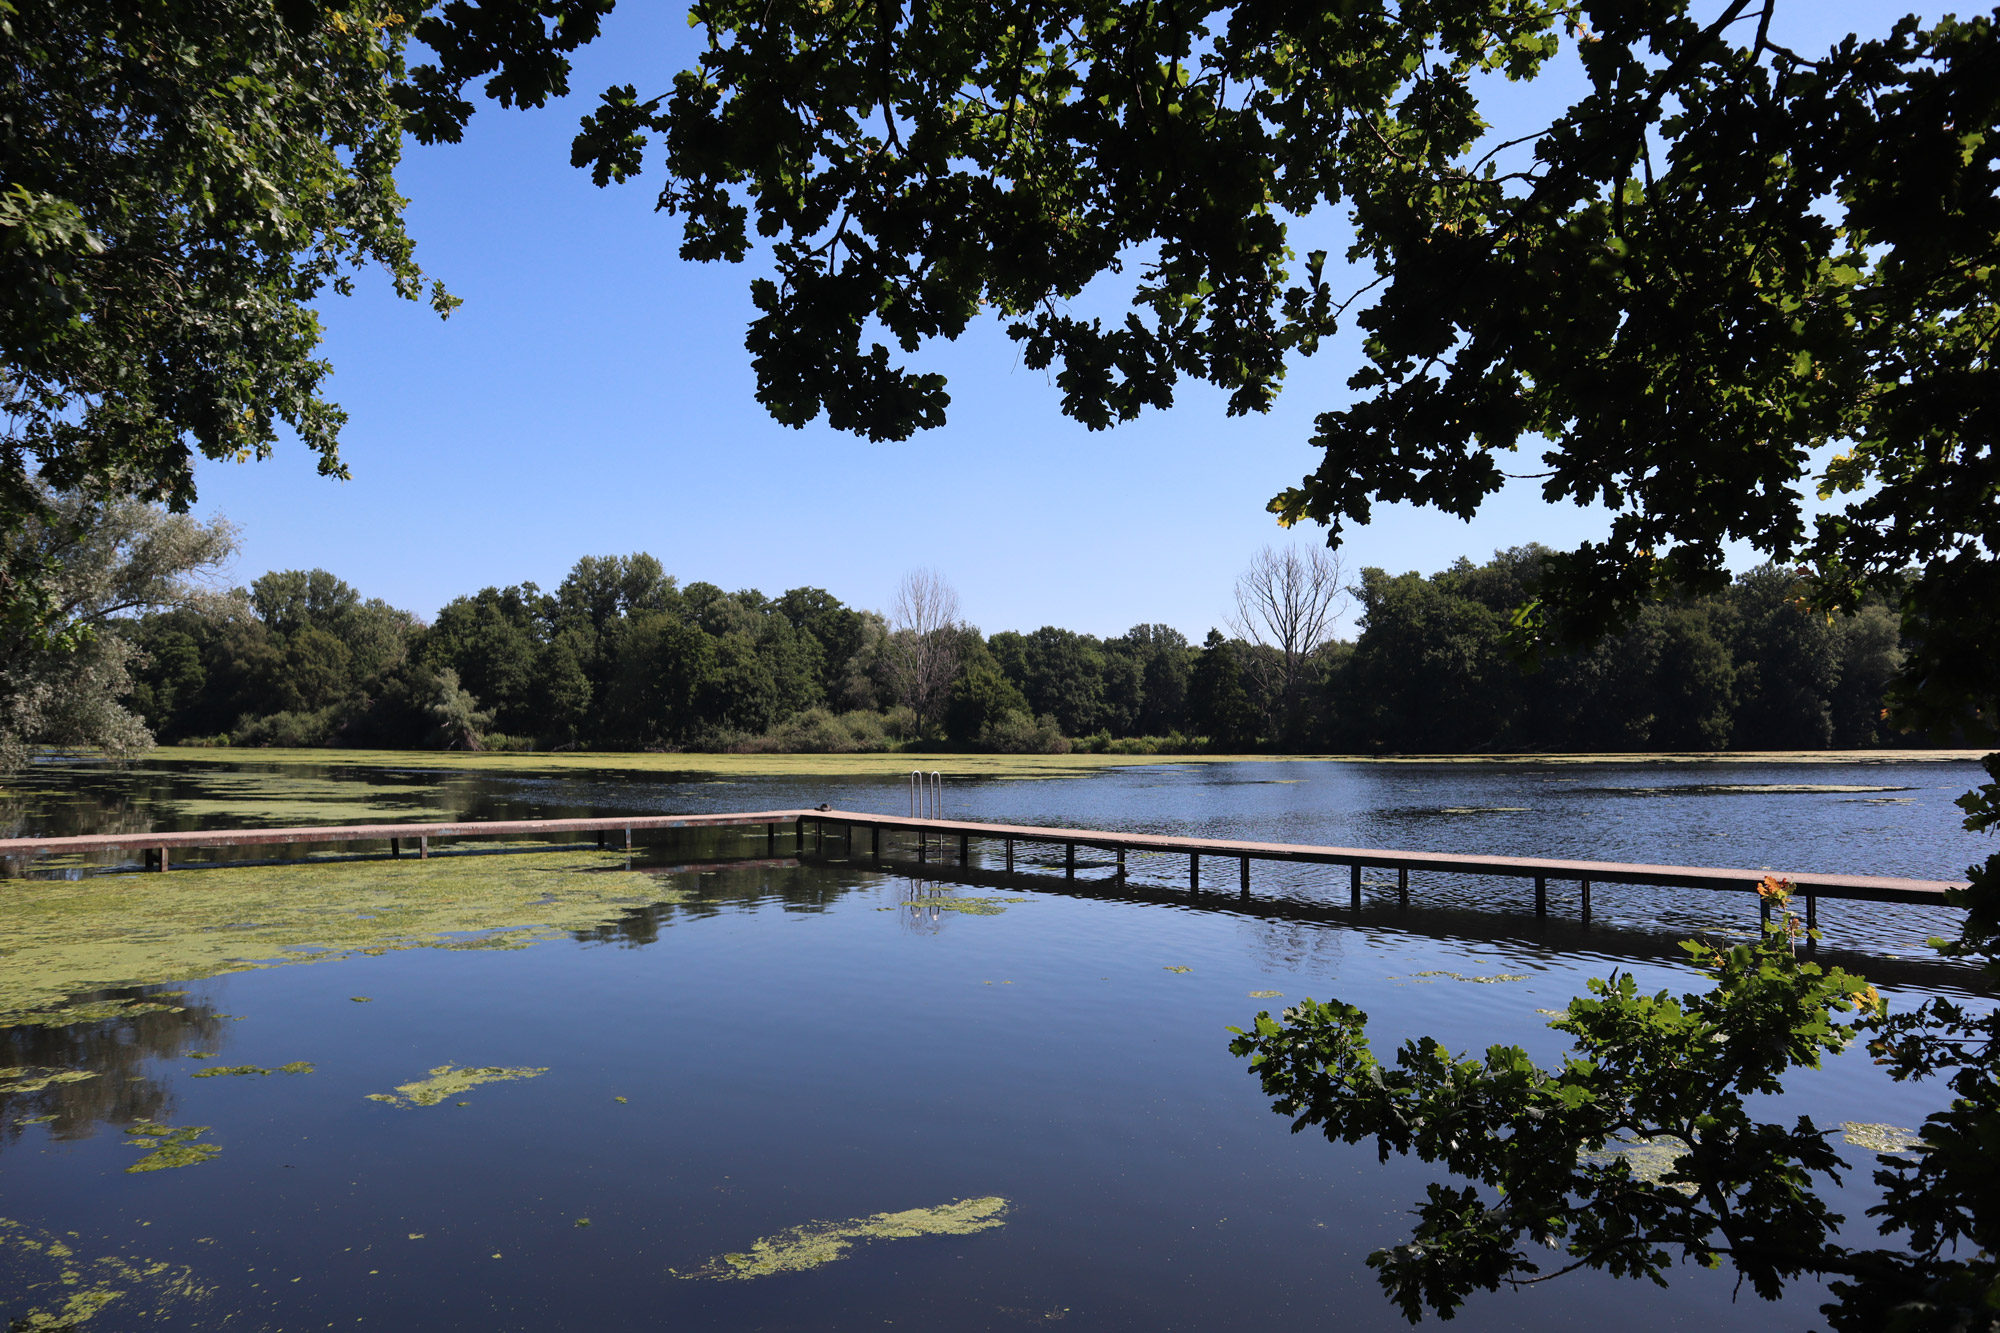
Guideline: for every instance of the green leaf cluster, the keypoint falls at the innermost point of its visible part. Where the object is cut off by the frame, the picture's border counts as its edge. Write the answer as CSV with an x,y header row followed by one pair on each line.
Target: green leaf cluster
x,y
1646,1069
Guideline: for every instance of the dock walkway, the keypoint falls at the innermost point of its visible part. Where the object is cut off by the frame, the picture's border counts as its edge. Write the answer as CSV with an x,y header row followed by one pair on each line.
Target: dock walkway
x,y
941,838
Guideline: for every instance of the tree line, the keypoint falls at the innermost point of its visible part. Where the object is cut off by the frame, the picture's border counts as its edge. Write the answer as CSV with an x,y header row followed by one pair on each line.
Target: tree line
x,y
621,655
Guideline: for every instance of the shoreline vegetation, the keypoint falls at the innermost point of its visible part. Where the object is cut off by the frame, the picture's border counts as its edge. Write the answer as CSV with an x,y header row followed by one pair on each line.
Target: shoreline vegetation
x,y
966,763
622,657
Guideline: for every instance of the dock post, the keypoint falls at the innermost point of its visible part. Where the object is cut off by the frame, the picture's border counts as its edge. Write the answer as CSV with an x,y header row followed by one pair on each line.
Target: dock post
x,y
1010,856
1121,865
1069,860
875,843
1403,886
770,838
1586,900
1194,873
800,839
163,860
395,847
628,837
600,837
1541,895
1812,921
424,847
923,846
1246,877
1763,912
965,849
1354,885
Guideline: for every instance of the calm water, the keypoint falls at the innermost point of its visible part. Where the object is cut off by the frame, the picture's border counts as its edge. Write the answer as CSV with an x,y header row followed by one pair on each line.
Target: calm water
x,y
824,1041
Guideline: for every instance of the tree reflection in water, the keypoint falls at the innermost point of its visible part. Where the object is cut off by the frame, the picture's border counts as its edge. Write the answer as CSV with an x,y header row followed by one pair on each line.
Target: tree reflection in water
x,y
147,1022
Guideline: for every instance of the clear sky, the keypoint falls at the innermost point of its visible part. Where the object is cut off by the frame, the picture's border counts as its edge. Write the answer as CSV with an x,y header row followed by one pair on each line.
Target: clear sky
x,y
593,397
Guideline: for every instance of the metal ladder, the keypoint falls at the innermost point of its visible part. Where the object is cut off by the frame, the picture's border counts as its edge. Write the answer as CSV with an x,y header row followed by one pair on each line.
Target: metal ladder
x,y
926,802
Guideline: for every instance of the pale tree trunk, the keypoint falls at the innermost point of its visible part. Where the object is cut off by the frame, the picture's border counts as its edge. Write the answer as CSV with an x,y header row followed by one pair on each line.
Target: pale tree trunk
x,y
924,648
1289,601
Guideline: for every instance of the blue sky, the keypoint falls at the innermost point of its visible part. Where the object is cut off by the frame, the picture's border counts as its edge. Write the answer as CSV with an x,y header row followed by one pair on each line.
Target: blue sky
x,y
592,397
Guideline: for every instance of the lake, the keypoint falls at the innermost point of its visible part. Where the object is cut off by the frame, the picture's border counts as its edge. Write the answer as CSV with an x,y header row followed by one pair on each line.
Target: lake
x,y
700,1089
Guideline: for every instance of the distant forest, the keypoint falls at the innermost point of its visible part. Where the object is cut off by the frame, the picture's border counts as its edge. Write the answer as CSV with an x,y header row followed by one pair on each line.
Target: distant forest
x,y
623,657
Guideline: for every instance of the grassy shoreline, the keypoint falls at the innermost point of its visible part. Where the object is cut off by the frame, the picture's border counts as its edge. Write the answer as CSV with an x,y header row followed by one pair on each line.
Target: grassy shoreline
x,y
965,765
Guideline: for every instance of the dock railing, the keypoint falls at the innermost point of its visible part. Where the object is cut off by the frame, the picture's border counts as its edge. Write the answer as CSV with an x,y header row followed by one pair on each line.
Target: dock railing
x,y
792,826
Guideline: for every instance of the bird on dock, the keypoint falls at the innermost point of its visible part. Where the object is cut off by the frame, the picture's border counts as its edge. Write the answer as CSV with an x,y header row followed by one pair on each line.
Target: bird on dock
x,y
824,805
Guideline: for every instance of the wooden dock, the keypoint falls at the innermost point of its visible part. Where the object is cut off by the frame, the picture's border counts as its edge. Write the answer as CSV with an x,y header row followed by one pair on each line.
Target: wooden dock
x,y
808,832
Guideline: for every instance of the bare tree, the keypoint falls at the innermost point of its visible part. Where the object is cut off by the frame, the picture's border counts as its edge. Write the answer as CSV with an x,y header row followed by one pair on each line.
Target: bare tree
x,y
1288,602
923,651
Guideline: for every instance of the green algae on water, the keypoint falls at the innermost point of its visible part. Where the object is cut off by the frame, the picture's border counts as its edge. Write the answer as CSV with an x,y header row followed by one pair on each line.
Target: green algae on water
x,y
67,937
1483,981
1648,1159
447,1082
90,1011
816,1244
233,1071
170,1147
51,1286
969,906
1267,995
1881,1138
33,1078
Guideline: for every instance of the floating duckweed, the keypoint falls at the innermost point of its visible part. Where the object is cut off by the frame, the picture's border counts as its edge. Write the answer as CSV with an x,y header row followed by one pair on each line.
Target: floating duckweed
x,y
583,1221
1881,1138
1484,981
221,1071
33,1078
447,1082
362,999
170,1147
1267,995
67,937
1176,968
70,1289
815,1244
969,906
93,1011
36,1120
1649,1160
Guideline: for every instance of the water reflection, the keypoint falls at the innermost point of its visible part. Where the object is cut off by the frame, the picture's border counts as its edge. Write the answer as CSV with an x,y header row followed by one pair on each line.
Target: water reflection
x,y
146,1023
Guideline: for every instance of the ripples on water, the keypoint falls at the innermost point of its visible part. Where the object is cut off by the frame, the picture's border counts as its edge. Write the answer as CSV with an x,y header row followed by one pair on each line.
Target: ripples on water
x,y
1029,1078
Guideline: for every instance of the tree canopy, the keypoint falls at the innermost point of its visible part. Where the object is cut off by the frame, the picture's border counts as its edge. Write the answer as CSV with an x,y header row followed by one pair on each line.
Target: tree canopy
x,y
178,183
1726,257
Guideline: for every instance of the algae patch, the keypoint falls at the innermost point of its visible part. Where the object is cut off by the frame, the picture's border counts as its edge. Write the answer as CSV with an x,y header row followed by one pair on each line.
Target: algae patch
x,y
66,937
170,1147
50,1285
1648,1160
1267,995
446,1082
233,1071
1881,1138
816,1244
33,1078
1460,976
969,906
